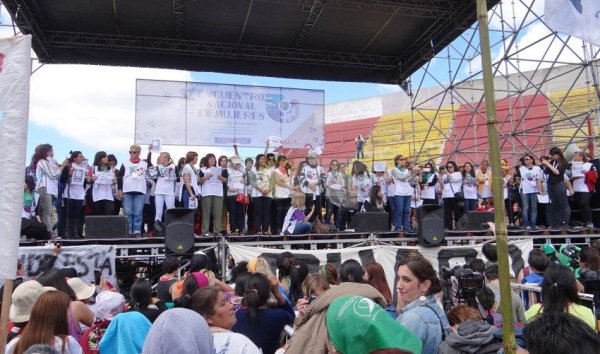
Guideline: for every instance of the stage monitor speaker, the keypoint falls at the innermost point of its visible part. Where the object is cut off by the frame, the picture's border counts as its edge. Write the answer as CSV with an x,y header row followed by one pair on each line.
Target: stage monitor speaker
x,y
475,221
105,226
179,230
430,218
372,222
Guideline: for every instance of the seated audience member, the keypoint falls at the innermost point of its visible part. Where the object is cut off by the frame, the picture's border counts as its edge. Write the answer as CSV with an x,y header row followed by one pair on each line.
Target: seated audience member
x,y
589,262
491,278
261,324
313,286
41,349
534,274
297,275
329,273
352,271
560,333
48,324
170,266
141,300
469,334
375,275
417,284
168,334
311,330
31,226
193,281
374,202
23,299
108,305
126,333
213,305
356,324
296,222
198,262
559,291
489,251
82,291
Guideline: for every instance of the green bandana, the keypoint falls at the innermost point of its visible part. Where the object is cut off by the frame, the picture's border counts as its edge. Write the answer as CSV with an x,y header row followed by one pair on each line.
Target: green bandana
x,y
27,199
357,325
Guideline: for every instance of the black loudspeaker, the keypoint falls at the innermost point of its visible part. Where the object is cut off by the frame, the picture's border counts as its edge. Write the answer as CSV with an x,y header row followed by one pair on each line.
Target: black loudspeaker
x,y
430,218
179,230
475,221
371,222
105,226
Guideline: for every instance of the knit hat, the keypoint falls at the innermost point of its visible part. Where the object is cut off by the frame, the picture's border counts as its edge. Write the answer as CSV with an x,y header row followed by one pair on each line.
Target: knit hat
x,y
109,304
356,325
82,290
168,335
23,299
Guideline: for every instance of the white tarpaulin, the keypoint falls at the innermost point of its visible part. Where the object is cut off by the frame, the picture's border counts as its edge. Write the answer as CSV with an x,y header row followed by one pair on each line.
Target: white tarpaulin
x,y
578,18
188,113
387,256
15,70
83,258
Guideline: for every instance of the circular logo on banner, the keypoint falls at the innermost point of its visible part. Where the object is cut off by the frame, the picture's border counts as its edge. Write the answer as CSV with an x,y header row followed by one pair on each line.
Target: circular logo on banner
x,y
282,111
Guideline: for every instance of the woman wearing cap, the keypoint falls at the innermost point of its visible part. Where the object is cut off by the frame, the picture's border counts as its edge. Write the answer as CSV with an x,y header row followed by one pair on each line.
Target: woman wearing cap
x,y
236,176
48,324
213,304
417,285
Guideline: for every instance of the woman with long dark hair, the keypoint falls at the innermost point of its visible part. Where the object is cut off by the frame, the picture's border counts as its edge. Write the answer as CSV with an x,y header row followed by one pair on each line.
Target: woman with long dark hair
x,y
282,194
190,189
557,189
451,180
375,275
531,179
580,168
312,181
75,180
334,192
559,294
212,195
141,300
429,178
48,324
469,186
47,173
236,186
103,178
262,187
261,324
30,226
403,192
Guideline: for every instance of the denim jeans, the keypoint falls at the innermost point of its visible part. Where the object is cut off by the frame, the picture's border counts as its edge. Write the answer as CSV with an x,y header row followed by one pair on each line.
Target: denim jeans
x,y
332,210
470,204
402,213
133,206
529,209
301,228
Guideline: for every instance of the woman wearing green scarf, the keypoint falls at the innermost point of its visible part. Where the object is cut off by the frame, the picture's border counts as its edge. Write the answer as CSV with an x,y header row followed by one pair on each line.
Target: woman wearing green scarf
x,y
31,227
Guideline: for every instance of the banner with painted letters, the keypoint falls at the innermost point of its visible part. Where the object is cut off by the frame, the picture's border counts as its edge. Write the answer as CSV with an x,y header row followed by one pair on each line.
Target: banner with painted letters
x,y
15,70
577,18
387,256
83,258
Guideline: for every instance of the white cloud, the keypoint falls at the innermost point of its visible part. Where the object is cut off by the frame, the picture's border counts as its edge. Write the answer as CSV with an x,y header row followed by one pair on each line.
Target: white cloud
x,y
513,12
385,89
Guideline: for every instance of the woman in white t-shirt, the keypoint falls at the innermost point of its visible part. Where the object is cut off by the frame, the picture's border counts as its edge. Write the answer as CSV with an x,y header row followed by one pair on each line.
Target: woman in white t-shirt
x,y
579,168
362,181
429,180
74,178
282,193
48,324
335,191
469,187
190,189
530,186
103,178
451,180
164,190
214,306
212,195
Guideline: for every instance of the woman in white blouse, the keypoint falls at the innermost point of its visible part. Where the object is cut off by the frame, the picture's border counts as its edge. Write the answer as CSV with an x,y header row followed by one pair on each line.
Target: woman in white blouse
x,y
451,180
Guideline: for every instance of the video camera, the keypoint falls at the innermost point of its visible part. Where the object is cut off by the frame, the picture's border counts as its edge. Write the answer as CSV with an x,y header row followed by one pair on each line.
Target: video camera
x,y
468,283
572,252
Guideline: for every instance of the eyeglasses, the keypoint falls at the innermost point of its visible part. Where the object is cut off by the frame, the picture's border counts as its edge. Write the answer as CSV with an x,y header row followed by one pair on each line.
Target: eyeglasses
x,y
134,152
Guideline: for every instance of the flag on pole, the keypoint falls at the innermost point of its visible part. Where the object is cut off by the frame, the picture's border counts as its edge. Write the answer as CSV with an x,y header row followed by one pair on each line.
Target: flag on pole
x,y
578,18
15,71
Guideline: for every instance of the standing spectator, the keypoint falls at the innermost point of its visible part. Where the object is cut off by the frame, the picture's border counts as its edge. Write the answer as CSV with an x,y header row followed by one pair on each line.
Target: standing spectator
x,y
507,184
360,146
531,184
470,187
557,189
335,192
484,180
164,191
47,173
451,180
132,188
108,305
236,186
361,184
282,194
190,189
212,195
262,187
403,194
581,168
74,178
429,179
103,178
112,163
312,180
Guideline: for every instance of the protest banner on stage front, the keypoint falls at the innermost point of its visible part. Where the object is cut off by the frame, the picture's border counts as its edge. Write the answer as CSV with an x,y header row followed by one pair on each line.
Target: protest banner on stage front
x,y
387,256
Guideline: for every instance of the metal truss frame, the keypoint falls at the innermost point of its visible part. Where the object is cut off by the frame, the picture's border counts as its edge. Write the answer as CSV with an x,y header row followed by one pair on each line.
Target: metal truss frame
x,y
516,65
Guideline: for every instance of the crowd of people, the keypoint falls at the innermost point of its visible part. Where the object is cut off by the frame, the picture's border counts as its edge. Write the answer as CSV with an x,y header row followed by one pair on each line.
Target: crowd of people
x,y
267,195
281,307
